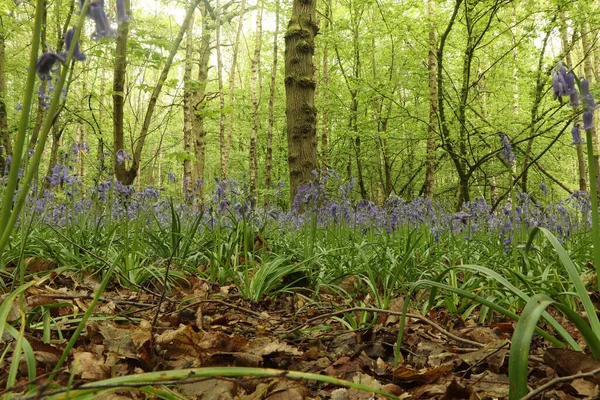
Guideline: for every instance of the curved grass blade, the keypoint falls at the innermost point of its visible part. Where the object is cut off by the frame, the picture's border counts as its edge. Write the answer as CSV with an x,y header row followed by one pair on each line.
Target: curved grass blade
x,y
521,342
83,391
573,274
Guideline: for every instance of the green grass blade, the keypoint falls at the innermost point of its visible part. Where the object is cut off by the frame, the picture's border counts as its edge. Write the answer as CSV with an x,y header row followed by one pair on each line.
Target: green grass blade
x,y
573,274
521,342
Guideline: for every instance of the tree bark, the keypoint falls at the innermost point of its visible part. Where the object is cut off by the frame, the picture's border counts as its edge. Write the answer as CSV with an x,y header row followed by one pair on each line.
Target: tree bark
x,y
127,176
325,95
566,49
255,90
433,105
301,113
188,113
5,141
199,98
271,123
229,134
589,75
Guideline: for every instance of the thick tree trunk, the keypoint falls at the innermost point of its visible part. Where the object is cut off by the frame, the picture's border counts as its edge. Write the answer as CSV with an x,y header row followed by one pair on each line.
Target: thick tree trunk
x,y
433,105
188,113
300,94
255,90
269,155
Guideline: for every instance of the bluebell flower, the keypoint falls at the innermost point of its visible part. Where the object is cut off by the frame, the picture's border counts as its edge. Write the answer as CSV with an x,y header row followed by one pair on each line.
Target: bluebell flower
x,y
103,28
45,65
588,120
576,133
121,12
171,177
570,81
585,87
77,54
507,153
559,83
544,188
121,156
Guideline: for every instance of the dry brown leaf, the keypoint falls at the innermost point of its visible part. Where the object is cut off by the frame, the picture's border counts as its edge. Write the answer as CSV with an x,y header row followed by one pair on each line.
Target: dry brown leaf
x,y
89,367
210,389
424,375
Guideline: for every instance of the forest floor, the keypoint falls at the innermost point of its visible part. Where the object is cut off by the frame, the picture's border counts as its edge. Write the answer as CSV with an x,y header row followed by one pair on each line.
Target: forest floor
x,y
201,324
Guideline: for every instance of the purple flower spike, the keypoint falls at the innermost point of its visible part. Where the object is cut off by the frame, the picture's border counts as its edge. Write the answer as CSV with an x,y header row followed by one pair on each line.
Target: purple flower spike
x,y
77,54
576,133
585,87
588,120
45,65
103,28
121,12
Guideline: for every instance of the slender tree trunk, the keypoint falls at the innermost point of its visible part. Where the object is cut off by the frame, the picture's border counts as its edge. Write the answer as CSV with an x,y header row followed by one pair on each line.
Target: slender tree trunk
x,y
222,138
100,156
269,155
236,46
255,90
5,141
325,95
566,49
121,172
199,98
124,175
300,94
433,105
188,112
589,75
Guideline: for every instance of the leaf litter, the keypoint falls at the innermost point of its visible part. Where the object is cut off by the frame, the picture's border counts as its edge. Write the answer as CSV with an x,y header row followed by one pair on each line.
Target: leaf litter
x,y
201,324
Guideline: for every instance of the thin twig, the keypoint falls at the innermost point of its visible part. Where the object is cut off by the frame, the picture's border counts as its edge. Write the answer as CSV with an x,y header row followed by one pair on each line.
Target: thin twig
x,y
390,312
104,299
569,378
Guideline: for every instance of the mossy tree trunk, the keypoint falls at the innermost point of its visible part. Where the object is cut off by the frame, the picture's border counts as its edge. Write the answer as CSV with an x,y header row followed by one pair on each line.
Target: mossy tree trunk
x,y
300,94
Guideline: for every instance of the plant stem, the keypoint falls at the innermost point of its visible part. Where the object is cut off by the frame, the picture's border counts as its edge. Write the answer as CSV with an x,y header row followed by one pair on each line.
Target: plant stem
x,y
594,201
19,148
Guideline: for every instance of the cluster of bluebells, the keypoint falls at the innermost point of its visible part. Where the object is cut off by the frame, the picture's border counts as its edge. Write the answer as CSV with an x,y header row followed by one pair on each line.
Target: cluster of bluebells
x,y
329,202
51,61
563,84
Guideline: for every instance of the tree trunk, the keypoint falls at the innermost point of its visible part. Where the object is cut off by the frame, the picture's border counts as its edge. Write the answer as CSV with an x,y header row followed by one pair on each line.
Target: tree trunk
x,y
300,94
222,138
236,45
5,141
188,113
255,90
566,49
433,105
269,155
325,95
199,99
127,176
589,75
122,174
